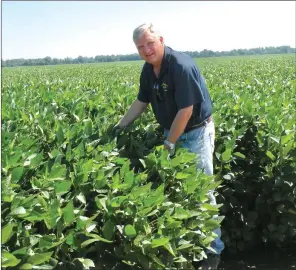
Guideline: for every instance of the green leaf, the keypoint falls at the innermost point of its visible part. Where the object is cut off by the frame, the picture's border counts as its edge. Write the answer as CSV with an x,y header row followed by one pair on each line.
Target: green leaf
x,y
90,226
288,147
8,259
211,225
286,138
57,172
181,175
87,166
190,185
226,155
101,203
275,139
125,169
155,197
26,266
62,186
68,213
88,242
143,260
175,162
35,162
116,201
70,238
47,241
37,259
270,155
22,251
16,174
180,259
81,198
108,229
184,246
100,181
188,157
29,158
130,231
53,213
44,267
7,232
69,155
209,207
19,211
156,259
95,236
227,177
60,134
140,191
87,127
143,163
159,242
181,213
170,249
239,155
128,179
87,263
155,211
144,211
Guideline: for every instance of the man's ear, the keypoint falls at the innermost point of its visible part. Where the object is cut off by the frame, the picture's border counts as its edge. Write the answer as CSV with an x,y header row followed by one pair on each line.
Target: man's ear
x,y
161,40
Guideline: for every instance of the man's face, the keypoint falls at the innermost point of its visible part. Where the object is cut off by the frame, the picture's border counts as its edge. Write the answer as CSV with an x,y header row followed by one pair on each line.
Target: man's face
x,y
150,48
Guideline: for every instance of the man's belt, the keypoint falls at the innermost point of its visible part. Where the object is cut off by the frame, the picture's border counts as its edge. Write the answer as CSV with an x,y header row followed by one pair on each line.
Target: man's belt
x,y
203,123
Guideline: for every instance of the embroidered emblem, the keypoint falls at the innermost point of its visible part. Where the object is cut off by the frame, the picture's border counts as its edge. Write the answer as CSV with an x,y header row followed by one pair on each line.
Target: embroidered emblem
x,y
164,87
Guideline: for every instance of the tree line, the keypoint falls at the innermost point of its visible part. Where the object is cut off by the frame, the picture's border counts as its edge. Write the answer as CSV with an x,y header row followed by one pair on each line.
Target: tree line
x,y
132,57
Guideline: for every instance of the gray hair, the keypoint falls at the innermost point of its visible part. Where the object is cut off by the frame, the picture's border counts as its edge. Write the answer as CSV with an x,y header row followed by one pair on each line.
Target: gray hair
x,y
143,28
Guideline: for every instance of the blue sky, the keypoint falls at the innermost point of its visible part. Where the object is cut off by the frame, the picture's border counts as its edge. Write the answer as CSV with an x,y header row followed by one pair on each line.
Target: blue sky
x,y
36,29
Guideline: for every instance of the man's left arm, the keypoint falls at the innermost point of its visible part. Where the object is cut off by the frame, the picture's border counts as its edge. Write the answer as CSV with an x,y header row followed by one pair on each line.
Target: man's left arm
x,y
187,92
179,125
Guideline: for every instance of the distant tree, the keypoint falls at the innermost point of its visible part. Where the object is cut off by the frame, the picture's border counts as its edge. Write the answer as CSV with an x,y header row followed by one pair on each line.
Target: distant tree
x,y
132,57
47,60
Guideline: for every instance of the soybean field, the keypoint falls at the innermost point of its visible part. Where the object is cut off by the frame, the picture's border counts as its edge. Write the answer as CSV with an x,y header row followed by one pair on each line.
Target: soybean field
x,y
75,196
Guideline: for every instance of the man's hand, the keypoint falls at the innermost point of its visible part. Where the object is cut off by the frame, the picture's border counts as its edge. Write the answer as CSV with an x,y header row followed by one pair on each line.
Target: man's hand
x,y
171,148
117,129
166,147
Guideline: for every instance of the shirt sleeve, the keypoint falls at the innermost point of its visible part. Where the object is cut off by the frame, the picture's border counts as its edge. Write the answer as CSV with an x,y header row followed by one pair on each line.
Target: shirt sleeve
x,y
143,91
187,85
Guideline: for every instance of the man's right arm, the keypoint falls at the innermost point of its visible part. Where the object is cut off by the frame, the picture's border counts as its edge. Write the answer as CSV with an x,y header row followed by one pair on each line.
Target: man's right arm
x,y
135,110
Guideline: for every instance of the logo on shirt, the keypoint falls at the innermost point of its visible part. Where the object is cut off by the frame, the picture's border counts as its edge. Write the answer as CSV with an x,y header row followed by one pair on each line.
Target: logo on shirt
x,y
164,87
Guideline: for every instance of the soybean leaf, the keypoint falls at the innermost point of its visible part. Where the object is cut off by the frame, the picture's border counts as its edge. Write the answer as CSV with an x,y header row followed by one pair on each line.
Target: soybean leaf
x,y
37,259
8,259
62,187
87,263
109,229
7,232
130,231
226,155
16,174
68,213
159,242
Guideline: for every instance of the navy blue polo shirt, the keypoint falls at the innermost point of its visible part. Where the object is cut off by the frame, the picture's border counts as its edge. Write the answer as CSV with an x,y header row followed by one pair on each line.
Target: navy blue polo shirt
x,y
178,85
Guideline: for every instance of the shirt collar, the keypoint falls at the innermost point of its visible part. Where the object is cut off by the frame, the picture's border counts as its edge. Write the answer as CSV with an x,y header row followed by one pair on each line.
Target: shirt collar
x,y
164,62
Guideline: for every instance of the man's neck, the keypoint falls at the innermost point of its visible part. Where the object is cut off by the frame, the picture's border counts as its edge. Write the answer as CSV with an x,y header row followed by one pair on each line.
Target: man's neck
x,y
157,67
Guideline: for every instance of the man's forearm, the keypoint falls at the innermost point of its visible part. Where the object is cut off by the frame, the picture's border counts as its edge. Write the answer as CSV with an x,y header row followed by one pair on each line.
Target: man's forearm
x,y
179,124
135,110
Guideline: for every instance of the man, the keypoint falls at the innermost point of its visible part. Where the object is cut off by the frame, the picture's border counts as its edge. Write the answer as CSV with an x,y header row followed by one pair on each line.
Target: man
x,y
181,103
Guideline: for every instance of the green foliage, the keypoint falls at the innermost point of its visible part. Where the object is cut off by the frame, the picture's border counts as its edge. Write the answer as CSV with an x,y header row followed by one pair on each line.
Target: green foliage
x,y
255,150
74,196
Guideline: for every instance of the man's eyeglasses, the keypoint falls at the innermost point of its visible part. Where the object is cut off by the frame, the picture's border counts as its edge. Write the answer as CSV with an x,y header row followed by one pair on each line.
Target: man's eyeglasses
x,y
158,92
